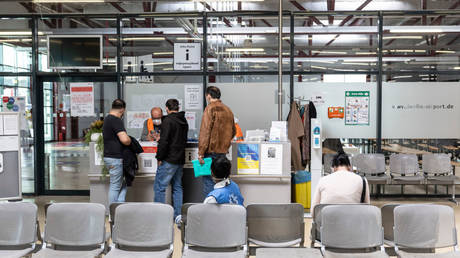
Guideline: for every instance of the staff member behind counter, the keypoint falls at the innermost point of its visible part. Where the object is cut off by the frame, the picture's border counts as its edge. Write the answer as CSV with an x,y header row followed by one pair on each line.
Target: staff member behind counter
x,y
152,126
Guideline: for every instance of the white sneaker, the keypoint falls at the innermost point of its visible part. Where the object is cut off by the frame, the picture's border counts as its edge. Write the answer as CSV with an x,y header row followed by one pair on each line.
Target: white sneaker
x,y
178,220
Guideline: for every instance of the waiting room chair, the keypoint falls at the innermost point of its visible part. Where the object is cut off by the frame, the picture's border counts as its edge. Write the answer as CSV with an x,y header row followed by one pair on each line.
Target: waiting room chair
x,y
18,229
183,222
352,231
387,211
438,170
215,230
143,230
373,167
315,230
74,230
112,209
404,170
424,226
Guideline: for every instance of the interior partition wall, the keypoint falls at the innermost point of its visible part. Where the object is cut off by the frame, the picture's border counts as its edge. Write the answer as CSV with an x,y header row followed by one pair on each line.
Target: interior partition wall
x,y
370,49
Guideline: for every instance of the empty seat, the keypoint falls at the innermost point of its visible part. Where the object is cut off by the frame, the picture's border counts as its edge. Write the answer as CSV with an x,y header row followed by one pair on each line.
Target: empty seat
x,y
143,230
438,169
404,169
112,208
315,235
372,166
215,230
352,231
183,222
424,226
18,229
74,230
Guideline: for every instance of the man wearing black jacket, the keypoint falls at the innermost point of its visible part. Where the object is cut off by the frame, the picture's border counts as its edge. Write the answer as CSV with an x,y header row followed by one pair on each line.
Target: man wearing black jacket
x,y
171,155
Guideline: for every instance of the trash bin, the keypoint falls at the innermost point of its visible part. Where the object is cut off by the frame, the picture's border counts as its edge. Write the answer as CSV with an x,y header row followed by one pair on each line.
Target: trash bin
x,y
302,188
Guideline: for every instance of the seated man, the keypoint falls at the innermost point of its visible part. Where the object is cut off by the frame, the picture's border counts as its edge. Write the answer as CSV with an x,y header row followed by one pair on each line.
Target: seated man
x,y
342,186
151,131
225,190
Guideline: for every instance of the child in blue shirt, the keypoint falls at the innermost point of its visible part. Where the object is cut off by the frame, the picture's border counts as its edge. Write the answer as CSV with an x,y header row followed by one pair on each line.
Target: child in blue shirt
x,y
225,190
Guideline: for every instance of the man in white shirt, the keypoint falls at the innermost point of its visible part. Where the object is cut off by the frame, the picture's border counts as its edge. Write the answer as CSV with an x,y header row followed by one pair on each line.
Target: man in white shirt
x,y
342,186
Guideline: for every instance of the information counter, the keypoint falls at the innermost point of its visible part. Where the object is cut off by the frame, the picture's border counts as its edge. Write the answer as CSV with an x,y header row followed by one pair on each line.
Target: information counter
x,y
262,170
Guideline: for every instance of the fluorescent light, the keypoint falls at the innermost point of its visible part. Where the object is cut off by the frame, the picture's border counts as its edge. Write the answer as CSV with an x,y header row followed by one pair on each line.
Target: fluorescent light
x,y
167,69
259,66
403,37
445,51
18,33
144,39
189,39
318,67
161,63
457,68
329,52
162,53
416,30
366,53
402,76
68,1
364,64
244,50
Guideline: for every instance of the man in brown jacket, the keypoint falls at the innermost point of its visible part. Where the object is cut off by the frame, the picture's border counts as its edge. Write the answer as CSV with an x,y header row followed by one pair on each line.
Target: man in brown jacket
x,y
216,132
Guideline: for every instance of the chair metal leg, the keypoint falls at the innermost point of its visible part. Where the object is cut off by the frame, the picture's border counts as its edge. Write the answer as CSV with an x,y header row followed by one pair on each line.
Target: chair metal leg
x,y
453,199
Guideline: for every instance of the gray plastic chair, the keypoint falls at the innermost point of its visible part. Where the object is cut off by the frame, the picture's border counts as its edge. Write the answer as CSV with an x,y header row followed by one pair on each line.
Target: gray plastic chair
x,y
215,230
315,235
387,211
143,230
277,225
352,230
183,222
424,226
404,169
74,230
18,229
438,169
372,166
112,209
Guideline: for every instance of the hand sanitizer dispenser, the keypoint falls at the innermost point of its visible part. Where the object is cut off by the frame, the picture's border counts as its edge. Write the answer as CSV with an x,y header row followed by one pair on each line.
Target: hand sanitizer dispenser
x,y
316,162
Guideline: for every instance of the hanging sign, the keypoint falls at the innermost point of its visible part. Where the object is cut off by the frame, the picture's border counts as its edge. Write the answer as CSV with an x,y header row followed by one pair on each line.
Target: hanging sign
x,y
187,56
82,99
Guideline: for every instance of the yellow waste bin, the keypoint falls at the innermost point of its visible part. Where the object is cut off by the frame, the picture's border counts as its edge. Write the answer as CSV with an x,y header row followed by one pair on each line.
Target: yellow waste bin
x,y
302,188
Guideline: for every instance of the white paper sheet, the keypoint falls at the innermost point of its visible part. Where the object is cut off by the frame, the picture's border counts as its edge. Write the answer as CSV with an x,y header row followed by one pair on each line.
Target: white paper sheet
x,y
271,162
9,143
191,119
1,125
136,119
10,125
193,97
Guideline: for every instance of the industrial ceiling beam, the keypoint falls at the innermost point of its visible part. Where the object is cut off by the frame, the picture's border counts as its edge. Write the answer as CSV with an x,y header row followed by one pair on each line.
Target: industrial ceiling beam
x,y
301,8
331,7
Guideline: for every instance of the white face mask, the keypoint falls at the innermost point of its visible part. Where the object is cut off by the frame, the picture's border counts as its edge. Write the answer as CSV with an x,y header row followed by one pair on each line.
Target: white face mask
x,y
156,121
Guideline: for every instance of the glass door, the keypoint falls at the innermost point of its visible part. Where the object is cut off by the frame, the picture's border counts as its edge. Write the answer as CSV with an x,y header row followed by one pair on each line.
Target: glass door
x,y
70,106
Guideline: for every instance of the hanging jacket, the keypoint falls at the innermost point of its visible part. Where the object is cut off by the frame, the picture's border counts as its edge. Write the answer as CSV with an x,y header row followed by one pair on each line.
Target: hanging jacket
x,y
295,134
130,165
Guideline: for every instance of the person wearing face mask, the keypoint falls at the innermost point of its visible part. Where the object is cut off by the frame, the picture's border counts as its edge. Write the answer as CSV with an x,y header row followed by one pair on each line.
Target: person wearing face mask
x,y
152,126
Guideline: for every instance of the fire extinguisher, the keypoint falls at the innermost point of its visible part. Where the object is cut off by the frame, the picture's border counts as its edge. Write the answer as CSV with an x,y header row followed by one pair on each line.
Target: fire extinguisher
x,y
61,125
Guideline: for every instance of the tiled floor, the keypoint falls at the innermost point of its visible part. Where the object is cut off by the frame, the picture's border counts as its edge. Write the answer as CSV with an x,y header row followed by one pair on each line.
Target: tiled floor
x,y
41,201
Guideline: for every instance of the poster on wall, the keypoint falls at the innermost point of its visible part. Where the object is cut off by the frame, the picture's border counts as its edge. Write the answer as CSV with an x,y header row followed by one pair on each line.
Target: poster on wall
x,y
16,104
357,107
191,120
136,119
193,97
271,159
248,159
82,99
187,56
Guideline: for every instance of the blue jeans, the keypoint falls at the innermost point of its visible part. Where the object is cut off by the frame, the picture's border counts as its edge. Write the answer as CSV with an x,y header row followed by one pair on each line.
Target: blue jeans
x,y
117,190
208,183
169,173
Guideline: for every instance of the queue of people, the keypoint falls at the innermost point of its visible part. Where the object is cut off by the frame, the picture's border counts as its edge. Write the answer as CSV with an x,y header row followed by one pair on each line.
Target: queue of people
x,y
218,129
170,132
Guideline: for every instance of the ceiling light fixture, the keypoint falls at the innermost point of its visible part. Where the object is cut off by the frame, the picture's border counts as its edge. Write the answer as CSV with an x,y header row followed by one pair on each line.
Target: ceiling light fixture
x,y
416,30
18,33
445,51
144,39
199,39
457,68
162,53
402,76
244,50
403,37
69,1
162,63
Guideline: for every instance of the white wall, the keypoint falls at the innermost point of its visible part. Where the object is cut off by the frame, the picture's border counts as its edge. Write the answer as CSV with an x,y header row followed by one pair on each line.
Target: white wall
x,y
334,96
413,110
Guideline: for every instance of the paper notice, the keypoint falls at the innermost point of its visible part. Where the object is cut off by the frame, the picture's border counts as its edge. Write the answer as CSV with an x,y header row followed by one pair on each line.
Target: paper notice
x,y
9,143
136,119
10,125
193,97
191,119
271,159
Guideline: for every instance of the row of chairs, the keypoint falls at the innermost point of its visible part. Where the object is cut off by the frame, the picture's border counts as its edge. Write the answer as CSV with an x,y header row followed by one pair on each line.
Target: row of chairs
x,y
269,230
404,169
410,230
